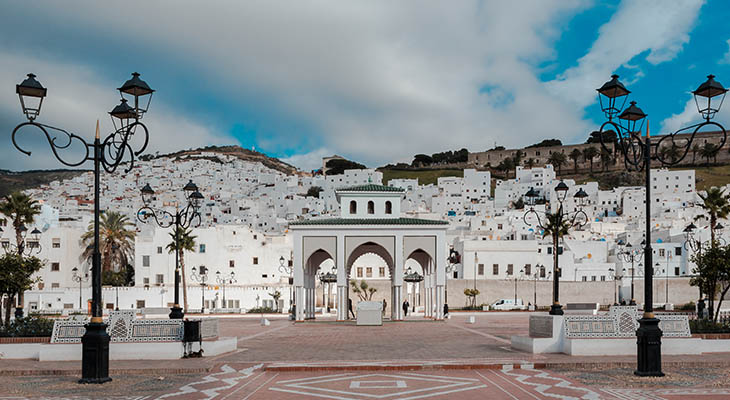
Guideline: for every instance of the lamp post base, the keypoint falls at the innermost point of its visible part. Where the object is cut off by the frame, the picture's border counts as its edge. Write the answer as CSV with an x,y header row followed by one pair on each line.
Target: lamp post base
x,y
556,309
649,346
95,354
18,312
176,312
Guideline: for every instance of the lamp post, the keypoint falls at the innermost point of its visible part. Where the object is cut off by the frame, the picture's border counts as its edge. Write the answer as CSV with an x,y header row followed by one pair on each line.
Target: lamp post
x,y
287,269
558,224
637,152
413,278
454,258
224,280
108,154
327,279
614,276
202,277
76,277
629,254
516,278
24,248
182,219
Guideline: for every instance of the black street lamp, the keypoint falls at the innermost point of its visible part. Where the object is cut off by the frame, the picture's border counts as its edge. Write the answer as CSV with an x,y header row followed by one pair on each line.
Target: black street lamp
x,y
109,154
76,277
630,254
454,258
638,151
202,277
559,223
327,278
182,219
223,281
287,269
413,277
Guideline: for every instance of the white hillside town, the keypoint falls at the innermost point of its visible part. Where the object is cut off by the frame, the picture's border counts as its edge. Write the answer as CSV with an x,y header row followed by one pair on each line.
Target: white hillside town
x,y
253,219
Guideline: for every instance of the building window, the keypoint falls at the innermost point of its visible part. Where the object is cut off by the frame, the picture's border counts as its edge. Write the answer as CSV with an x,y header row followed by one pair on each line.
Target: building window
x,y
159,279
528,269
145,261
550,250
159,249
495,269
510,268
676,271
661,252
140,303
382,272
371,207
55,266
55,285
481,270
255,261
369,272
146,281
677,251
593,278
353,207
585,278
359,272
499,226
231,263
388,207
603,278
542,272
201,249
56,243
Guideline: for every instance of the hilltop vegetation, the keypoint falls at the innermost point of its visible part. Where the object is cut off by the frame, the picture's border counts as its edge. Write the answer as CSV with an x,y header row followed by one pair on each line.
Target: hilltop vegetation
x,y
11,181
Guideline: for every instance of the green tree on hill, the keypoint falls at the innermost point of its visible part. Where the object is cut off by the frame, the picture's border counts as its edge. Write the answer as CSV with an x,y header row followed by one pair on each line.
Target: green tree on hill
x,y
338,166
575,155
589,153
557,159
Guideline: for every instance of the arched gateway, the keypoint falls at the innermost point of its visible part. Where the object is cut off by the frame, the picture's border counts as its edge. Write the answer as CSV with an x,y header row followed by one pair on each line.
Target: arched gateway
x,y
370,223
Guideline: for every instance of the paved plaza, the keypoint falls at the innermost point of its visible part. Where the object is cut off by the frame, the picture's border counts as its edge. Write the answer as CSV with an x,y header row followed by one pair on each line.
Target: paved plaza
x,y
414,359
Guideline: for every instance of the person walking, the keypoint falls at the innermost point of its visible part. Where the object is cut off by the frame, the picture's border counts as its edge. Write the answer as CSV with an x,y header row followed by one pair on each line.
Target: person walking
x,y
385,304
349,307
405,308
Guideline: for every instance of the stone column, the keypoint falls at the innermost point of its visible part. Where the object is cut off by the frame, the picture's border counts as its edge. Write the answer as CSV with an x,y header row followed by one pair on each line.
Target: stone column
x,y
299,301
342,288
440,302
397,303
398,268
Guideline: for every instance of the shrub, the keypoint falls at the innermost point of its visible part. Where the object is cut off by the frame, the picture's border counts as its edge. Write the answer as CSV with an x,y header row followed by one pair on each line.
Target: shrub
x,y
707,326
31,326
260,310
686,307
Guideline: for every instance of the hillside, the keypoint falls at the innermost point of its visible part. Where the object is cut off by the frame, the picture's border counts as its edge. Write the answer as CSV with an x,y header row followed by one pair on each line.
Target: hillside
x,y
425,176
11,181
238,152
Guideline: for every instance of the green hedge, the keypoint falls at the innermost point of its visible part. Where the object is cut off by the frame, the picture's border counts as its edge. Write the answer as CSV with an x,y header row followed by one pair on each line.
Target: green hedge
x,y
707,326
260,310
31,326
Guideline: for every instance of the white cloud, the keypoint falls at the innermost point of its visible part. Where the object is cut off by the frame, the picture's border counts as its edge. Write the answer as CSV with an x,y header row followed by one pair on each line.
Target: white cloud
x,y
308,161
726,58
659,27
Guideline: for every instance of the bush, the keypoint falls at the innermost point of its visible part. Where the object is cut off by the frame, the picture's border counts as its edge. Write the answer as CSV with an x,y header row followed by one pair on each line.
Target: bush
x,y
686,307
260,310
31,326
707,326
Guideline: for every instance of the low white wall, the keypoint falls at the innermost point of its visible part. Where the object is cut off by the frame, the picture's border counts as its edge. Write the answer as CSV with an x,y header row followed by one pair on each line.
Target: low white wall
x,y
117,351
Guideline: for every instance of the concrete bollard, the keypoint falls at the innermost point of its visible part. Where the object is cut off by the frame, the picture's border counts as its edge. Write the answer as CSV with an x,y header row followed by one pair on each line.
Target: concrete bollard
x,y
471,320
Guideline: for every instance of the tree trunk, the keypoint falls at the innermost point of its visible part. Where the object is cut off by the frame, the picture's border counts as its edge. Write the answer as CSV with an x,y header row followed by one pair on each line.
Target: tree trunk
x,y
184,283
8,308
719,303
591,160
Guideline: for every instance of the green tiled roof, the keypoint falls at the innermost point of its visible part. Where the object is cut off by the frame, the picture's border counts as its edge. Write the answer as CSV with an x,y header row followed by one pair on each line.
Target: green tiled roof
x,y
370,187
368,221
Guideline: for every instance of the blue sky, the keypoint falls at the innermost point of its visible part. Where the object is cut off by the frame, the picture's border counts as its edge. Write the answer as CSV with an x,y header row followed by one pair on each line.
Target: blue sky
x,y
373,81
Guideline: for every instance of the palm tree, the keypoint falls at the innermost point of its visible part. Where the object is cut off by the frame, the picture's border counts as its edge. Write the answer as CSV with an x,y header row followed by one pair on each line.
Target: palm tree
x,y
575,156
695,149
185,242
21,209
519,155
605,159
530,163
589,153
709,150
557,159
672,152
717,204
116,241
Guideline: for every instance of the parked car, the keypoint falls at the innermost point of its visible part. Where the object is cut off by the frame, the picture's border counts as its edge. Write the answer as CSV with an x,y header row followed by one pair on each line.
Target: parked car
x,y
508,304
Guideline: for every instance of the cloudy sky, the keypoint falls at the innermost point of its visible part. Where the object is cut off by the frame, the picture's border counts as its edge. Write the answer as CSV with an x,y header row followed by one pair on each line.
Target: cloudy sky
x,y
375,81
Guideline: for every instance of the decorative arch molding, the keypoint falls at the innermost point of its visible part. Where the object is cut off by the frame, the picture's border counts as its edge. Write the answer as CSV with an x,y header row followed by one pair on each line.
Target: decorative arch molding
x,y
370,247
315,260
426,244
386,243
422,258
312,244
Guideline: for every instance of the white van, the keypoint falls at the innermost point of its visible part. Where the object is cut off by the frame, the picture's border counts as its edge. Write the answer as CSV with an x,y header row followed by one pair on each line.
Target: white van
x,y
508,304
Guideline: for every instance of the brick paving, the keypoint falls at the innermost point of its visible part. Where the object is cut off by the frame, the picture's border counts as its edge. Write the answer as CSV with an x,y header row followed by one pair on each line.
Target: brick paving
x,y
400,360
